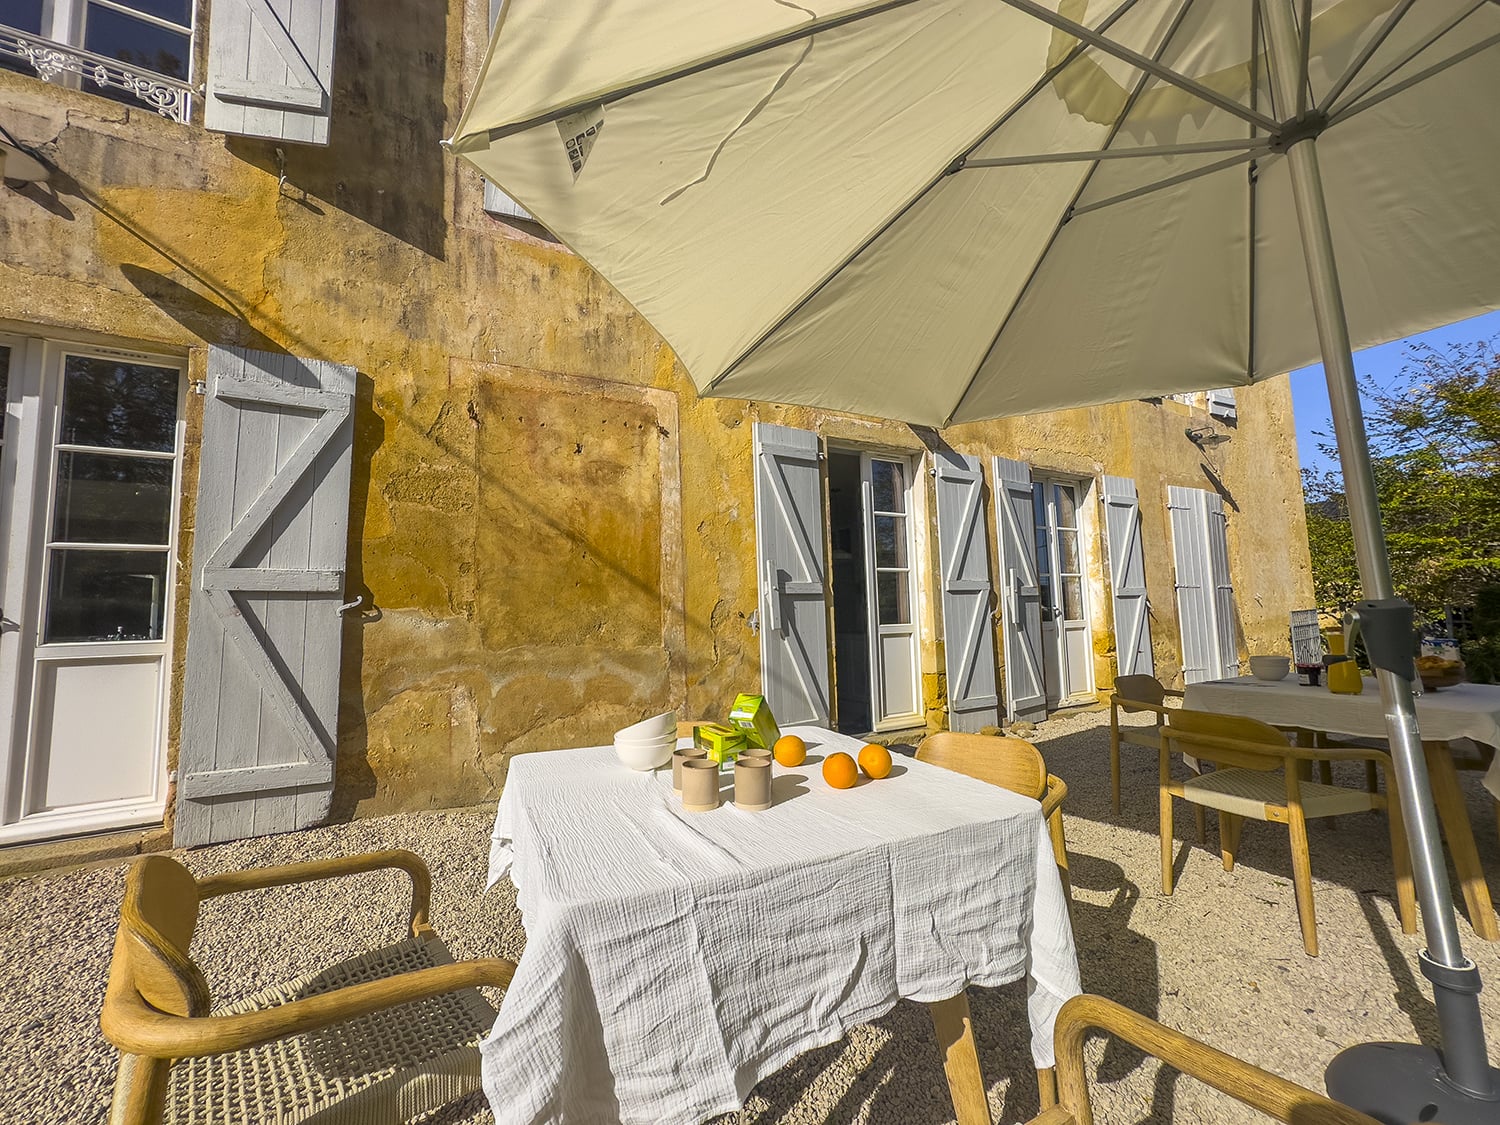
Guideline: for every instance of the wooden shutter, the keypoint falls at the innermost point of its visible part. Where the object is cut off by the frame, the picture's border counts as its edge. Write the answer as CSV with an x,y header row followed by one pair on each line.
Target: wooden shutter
x,y
789,557
496,202
968,629
1221,404
1205,599
1127,578
1020,592
260,705
270,68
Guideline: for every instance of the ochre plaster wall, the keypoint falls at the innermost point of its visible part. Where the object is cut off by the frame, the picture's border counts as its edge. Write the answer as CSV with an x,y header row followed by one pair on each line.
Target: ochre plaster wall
x,y
552,533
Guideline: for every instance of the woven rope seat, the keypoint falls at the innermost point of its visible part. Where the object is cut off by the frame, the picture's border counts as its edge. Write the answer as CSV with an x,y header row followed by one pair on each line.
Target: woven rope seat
x,y
391,1065
1248,792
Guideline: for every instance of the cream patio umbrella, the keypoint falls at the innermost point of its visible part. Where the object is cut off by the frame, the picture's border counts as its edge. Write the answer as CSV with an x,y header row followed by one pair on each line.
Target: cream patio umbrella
x,y
947,210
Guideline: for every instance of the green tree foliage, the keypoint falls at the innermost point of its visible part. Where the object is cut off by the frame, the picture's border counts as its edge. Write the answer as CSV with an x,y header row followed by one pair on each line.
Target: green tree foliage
x,y
1435,446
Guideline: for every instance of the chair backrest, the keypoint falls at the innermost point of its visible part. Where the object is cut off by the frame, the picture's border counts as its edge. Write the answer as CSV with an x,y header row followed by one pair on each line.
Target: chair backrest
x,y
1011,763
152,961
1208,736
1141,689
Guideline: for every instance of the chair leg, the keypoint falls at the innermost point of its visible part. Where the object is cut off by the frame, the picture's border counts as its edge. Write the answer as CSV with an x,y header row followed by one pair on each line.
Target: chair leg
x,y
1046,1086
1372,780
1114,758
1325,775
1302,880
1166,842
140,1096
1201,816
1406,898
1229,837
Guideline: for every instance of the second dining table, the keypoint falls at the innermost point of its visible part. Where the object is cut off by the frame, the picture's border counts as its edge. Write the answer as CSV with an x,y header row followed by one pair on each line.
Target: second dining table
x,y
1469,711
674,959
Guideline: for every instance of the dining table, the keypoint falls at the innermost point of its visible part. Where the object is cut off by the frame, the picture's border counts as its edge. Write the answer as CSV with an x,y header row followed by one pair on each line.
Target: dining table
x,y
674,959
1462,711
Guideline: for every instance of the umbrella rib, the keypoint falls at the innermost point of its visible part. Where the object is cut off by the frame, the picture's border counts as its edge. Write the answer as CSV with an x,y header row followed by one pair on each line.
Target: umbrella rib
x,y
1236,145
1254,177
1306,58
806,31
1392,68
1422,76
1170,181
952,166
1352,71
1152,66
1062,221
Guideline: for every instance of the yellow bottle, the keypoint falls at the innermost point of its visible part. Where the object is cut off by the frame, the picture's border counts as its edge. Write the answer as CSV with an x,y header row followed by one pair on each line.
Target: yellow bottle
x,y
1344,677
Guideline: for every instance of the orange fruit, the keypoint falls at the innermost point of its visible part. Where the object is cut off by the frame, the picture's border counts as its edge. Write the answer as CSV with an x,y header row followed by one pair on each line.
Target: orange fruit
x,y
790,750
839,771
875,761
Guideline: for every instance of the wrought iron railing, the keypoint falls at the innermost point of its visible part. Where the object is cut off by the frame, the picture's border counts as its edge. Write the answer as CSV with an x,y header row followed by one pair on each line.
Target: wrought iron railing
x,y
170,97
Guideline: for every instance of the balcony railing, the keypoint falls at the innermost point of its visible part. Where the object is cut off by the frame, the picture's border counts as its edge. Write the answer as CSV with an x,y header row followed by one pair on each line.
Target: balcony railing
x,y
170,97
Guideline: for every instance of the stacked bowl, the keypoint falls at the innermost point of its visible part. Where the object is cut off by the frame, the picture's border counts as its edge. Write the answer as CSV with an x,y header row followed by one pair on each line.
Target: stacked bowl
x,y
648,744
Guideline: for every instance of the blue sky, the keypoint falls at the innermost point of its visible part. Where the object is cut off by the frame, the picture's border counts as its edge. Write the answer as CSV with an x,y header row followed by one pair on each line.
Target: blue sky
x,y
1384,363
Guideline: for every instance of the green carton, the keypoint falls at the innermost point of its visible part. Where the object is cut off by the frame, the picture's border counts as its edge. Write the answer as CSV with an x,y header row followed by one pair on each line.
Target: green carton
x,y
721,744
752,715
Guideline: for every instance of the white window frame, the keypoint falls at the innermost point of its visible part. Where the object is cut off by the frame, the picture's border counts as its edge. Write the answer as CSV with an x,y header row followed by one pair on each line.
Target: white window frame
x,y
58,55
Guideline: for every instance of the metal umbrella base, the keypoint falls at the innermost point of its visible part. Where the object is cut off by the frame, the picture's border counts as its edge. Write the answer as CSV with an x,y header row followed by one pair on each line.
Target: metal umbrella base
x,y
1404,1083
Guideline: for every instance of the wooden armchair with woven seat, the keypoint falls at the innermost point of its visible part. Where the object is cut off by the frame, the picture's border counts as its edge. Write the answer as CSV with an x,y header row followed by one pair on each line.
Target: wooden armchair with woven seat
x,y
1259,1089
1246,785
384,1036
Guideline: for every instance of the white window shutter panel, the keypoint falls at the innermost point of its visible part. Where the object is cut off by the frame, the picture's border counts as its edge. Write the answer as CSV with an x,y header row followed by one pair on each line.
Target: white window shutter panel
x,y
968,631
791,574
1127,577
1197,538
270,68
1221,404
260,702
1020,592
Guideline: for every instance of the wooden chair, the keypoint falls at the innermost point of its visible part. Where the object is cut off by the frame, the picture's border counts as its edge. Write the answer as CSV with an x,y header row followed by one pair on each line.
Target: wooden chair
x,y
1011,763
1259,1089
1134,694
1248,753
402,1023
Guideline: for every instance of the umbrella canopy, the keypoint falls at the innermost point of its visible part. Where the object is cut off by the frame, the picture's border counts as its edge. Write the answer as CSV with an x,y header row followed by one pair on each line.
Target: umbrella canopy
x,y
910,208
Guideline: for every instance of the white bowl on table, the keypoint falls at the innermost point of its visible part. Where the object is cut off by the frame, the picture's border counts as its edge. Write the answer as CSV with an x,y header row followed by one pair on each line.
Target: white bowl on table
x,y
646,753
665,723
1270,667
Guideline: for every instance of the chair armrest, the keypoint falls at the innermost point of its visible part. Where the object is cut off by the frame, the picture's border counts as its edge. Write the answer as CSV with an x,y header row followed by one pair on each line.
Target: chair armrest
x,y
1260,1089
288,874
1338,754
139,1029
1057,789
1131,706
1174,693
1054,1116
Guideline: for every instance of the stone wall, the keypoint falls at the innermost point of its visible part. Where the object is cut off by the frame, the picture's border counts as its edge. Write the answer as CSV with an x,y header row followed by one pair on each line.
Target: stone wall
x,y
552,533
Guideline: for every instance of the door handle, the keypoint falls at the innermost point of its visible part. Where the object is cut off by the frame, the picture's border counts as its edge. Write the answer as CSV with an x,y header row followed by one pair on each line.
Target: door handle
x,y
773,597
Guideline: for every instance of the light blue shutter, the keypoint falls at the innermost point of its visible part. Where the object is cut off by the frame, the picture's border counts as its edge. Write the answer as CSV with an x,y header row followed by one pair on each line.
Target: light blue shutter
x,y
790,567
496,202
1221,404
1205,597
260,702
1020,592
270,68
1127,577
968,632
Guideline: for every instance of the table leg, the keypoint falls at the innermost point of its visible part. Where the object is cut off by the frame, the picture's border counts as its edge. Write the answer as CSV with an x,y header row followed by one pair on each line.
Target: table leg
x,y
955,1037
1460,835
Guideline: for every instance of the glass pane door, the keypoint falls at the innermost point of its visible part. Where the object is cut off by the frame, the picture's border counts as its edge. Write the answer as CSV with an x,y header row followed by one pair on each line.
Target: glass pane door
x,y
894,668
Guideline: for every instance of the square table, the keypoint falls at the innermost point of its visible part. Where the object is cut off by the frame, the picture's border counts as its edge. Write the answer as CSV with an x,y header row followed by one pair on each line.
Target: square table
x,y
1464,711
675,959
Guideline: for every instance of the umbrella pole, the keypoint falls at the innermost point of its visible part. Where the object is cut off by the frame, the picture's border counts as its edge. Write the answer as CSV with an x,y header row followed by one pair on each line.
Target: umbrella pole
x,y
1393,1082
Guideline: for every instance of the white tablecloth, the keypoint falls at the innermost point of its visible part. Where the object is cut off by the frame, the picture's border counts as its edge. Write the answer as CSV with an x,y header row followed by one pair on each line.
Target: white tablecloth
x,y
1464,711
675,959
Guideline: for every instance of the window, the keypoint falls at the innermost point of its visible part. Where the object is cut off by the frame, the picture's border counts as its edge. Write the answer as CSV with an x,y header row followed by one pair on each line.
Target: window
x,y
134,51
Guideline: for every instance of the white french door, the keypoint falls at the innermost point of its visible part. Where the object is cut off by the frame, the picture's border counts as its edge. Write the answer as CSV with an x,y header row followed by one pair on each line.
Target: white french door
x,y
1067,640
90,462
895,683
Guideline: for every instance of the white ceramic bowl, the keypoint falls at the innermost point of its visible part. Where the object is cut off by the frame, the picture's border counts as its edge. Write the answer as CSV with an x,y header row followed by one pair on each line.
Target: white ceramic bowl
x,y
644,739
655,725
646,756
1270,667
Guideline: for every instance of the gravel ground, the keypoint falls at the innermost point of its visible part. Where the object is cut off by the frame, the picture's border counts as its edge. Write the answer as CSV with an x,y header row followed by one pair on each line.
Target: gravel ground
x,y
1221,959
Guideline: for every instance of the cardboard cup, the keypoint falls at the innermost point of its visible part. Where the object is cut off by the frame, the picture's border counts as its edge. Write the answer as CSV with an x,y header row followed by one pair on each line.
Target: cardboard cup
x,y
752,783
755,752
700,785
678,758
